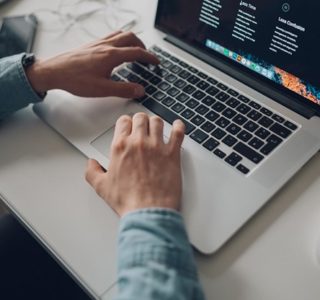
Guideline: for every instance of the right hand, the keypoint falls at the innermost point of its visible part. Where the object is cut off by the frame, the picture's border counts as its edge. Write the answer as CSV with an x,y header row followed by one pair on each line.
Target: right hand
x,y
144,172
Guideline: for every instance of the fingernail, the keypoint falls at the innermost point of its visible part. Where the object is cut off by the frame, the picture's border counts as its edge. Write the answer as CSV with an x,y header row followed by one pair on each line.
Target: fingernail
x,y
139,91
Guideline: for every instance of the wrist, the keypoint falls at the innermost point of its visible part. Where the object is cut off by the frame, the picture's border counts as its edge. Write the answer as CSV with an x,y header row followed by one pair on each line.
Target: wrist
x,y
39,77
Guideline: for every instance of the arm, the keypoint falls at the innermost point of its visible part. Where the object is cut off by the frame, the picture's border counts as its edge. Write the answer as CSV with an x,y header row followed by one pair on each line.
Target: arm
x,y
143,185
85,72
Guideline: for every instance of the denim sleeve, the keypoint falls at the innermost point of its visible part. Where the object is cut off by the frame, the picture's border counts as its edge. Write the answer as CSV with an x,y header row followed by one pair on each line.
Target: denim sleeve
x,y
15,89
155,259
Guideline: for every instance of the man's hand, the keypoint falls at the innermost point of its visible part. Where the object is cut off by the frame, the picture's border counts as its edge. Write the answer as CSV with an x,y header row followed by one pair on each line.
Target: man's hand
x,y
144,171
86,71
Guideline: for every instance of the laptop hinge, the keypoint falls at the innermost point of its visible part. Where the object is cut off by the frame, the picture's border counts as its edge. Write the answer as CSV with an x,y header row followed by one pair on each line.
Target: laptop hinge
x,y
260,86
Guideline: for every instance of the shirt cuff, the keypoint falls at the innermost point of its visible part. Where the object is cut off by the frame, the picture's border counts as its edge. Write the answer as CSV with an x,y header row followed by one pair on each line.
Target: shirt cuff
x,y
158,236
16,91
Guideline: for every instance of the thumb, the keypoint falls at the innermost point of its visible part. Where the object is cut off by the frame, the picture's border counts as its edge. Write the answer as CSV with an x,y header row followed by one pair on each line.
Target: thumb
x,y
124,89
94,172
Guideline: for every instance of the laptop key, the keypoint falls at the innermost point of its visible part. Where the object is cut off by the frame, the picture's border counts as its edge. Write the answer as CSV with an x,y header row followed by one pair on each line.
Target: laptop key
x,y
124,73
197,120
150,90
193,79
201,109
233,93
290,125
222,96
219,153
244,109
280,130
229,140
244,136
233,129
265,122
218,133
163,86
222,86
208,126
278,118
272,143
243,169
244,99
202,75
155,80
233,102
212,116
254,115
168,101
212,81
212,91
218,107
247,152
192,103
171,78
223,122
251,126
198,95
262,133
115,77
166,114
229,113
180,83
255,105
184,74
193,70
188,114
240,119
199,136
175,69
233,159
173,91
203,85
211,144
159,96
178,107
208,101
183,97
189,89
266,112
256,143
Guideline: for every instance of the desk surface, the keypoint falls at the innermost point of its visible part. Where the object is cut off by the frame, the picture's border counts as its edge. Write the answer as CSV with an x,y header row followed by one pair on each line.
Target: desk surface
x,y
42,180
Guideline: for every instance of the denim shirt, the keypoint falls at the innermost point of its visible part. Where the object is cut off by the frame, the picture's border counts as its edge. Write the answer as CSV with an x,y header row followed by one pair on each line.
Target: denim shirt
x,y
155,259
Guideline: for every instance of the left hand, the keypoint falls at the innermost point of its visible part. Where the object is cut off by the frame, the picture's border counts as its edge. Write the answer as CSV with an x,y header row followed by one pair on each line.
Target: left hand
x,y
86,71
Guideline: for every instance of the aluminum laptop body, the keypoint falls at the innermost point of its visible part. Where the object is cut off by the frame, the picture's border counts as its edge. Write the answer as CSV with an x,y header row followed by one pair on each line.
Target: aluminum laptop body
x,y
218,199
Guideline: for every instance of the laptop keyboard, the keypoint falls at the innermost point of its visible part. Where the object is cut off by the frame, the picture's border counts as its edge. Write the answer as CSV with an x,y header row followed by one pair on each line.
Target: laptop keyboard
x,y
233,127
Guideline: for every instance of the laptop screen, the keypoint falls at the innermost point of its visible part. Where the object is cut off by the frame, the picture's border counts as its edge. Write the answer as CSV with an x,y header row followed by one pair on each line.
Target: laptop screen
x,y
276,40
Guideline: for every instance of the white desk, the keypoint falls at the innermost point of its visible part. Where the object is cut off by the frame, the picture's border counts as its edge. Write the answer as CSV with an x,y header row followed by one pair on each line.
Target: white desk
x,y
41,177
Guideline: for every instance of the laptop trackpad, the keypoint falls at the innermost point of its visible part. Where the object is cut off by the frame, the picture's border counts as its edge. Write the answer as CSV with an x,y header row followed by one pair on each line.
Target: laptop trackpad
x,y
103,142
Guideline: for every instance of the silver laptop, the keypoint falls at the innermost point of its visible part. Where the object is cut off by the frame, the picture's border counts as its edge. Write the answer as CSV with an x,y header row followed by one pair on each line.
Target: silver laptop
x,y
244,79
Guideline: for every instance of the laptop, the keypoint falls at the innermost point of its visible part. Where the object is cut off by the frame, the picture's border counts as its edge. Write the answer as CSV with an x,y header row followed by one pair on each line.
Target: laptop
x,y
243,76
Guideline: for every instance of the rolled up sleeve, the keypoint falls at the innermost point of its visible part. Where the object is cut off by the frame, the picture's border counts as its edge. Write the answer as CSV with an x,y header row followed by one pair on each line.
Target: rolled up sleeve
x,y
155,258
15,89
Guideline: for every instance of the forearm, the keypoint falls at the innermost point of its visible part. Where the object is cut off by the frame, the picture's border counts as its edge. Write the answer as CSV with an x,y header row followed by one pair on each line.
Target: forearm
x,y
15,89
155,258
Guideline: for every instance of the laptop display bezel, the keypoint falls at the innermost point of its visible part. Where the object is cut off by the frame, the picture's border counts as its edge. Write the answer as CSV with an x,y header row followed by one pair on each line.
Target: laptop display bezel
x,y
258,82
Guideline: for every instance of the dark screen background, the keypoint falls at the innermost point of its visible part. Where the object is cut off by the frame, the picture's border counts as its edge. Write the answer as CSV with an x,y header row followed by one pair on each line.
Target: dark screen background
x,y
180,18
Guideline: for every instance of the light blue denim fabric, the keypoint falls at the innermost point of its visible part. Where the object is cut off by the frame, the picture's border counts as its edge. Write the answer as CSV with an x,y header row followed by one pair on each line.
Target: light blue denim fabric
x,y
15,89
155,259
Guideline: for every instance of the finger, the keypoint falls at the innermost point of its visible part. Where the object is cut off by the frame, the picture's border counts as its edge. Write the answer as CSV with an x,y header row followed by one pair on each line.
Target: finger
x,y
140,125
156,128
106,87
131,54
123,127
112,35
126,39
177,134
94,172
